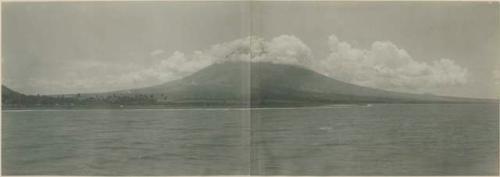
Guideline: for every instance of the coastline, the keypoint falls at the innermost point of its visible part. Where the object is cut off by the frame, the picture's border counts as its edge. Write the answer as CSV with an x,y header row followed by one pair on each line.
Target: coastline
x,y
216,107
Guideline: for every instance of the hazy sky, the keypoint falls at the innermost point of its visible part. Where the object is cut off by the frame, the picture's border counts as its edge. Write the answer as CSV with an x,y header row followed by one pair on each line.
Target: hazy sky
x,y
448,48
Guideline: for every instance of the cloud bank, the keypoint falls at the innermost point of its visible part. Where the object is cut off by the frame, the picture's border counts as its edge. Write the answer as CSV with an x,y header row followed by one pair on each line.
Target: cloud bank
x,y
389,67
384,65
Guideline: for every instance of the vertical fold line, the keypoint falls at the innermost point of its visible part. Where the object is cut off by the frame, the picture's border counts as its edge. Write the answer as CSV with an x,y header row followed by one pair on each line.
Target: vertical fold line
x,y
252,154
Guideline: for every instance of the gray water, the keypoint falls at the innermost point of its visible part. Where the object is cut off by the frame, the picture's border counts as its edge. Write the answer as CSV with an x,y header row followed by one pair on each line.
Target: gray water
x,y
411,139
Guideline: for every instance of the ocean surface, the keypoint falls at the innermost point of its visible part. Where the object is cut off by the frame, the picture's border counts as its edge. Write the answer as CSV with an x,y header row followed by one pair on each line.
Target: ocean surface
x,y
378,139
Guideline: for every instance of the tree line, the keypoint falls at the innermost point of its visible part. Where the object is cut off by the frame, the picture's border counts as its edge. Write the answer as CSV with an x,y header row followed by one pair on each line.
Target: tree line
x,y
21,100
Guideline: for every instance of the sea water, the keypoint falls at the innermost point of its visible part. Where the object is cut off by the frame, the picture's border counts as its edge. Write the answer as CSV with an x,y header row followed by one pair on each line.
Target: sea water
x,y
380,139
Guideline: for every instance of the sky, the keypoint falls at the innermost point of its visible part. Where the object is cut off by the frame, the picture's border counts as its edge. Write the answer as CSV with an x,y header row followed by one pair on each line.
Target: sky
x,y
444,48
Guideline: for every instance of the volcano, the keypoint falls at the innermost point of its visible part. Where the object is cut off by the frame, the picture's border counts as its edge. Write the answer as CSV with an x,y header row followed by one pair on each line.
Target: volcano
x,y
262,84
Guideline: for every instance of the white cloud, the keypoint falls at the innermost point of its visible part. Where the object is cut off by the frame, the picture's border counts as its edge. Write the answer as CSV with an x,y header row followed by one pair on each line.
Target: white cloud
x,y
282,49
386,66
288,49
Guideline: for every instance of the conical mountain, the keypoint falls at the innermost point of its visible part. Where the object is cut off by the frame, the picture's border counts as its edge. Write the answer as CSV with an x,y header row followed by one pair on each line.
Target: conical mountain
x,y
268,84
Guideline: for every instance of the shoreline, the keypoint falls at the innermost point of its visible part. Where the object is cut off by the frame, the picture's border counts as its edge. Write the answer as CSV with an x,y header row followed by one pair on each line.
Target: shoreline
x,y
186,108
180,108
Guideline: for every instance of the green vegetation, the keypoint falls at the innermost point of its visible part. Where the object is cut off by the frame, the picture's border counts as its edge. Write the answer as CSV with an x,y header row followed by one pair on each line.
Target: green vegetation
x,y
12,99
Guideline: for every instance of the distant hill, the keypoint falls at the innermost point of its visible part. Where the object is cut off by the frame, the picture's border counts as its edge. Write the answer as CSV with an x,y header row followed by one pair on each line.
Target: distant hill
x,y
10,96
243,84
14,99
7,92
